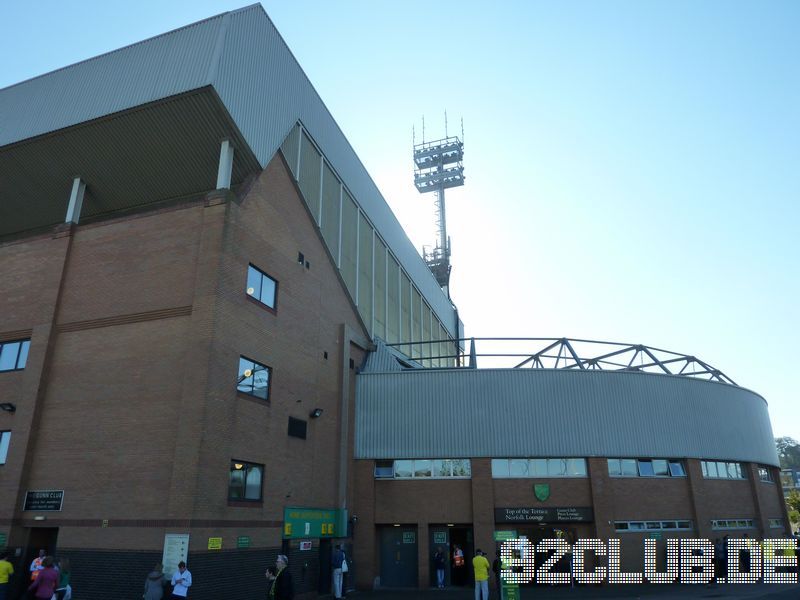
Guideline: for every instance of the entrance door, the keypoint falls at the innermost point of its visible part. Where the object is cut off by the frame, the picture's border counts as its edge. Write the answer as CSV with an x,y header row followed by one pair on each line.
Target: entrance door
x,y
461,536
398,557
39,538
325,569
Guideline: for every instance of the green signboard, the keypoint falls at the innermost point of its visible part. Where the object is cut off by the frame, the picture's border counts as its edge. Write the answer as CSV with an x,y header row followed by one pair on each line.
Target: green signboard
x,y
439,537
510,591
3,540
654,535
504,536
409,537
243,541
314,523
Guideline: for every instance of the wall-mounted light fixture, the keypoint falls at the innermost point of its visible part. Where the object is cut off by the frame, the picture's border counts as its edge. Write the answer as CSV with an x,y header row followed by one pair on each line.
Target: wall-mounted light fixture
x,y
8,407
316,413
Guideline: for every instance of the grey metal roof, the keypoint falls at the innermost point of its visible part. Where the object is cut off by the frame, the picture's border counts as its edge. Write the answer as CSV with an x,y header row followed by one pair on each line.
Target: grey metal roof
x,y
243,58
429,413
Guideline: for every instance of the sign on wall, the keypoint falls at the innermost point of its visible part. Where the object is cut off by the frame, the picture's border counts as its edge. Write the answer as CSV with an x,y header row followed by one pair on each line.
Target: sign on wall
x,y
311,522
243,541
176,549
409,537
43,500
215,543
439,537
569,514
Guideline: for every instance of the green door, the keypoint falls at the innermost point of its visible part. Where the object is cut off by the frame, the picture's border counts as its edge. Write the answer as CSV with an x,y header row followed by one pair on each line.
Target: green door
x,y
398,557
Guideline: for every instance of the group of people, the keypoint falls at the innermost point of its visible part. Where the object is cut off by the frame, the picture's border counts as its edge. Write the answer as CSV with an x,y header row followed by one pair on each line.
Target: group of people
x,y
156,582
279,586
49,578
480,567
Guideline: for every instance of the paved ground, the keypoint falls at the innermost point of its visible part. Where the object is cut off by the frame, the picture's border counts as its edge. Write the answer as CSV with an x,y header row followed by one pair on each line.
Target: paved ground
x,y
606,592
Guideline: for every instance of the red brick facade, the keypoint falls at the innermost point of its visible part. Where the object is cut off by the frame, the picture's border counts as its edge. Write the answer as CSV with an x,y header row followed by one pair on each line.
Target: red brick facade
x,y
128,401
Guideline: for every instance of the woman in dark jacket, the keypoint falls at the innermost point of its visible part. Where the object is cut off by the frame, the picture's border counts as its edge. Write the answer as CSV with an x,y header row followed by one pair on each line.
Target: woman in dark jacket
x,y
282,588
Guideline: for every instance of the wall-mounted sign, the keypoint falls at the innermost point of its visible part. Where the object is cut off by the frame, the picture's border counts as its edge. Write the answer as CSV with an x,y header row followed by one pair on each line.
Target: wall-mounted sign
x,y
243,541
43,500
504,536
569,514
215,543
409,537
306,545
439,537
541,491
176,549
3,540
312,522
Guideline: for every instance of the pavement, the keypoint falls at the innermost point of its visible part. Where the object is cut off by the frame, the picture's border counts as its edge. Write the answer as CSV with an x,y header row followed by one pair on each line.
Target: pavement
x,y
605,592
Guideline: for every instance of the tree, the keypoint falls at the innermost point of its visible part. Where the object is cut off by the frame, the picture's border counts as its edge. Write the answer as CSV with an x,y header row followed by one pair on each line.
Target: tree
x,y
788,452
793,504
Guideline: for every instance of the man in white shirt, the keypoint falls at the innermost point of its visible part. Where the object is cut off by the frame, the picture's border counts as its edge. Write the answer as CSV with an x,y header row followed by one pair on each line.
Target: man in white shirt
x,y
181,581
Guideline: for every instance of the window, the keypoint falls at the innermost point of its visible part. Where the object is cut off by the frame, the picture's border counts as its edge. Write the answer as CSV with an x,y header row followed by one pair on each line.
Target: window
x,y
713,469
14,355
732,524
245,481
261,287
645,467
253,378
764,474
635,526
676,469
538,467
5,440
297,428
384,469
424,468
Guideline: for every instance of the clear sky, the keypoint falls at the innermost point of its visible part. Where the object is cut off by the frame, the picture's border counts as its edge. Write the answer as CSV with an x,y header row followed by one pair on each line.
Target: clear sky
x,y
632,168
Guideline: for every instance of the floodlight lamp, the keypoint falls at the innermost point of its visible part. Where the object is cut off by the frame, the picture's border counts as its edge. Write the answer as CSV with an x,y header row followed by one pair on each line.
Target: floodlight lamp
x,y
316,413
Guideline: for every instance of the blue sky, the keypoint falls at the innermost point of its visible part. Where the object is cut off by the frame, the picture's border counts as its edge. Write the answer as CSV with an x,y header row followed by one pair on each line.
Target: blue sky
x,y
632,168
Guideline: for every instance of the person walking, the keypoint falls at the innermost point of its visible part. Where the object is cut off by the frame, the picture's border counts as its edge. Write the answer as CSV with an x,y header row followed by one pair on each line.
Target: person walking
x,y
6,571
481,567
154,583
438,564
46,581
338,559
282,588
181,581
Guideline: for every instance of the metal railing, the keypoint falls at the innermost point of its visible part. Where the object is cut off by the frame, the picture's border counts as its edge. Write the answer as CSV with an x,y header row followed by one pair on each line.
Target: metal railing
x,y
556,353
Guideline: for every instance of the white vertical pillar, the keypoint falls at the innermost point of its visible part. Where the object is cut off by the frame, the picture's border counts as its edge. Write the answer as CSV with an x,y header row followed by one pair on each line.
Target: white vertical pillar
x,y
75,201
225,165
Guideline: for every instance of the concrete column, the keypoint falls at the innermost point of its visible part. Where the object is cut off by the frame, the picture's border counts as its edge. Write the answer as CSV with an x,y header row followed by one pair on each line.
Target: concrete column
x,y
225,165
75,201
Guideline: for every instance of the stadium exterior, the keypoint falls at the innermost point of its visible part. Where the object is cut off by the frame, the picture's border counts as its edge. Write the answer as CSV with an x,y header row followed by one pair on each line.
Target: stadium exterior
x,y
200,281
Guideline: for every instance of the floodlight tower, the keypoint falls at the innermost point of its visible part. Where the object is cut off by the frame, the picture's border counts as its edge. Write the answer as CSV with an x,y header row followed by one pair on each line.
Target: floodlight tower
x,y
437,167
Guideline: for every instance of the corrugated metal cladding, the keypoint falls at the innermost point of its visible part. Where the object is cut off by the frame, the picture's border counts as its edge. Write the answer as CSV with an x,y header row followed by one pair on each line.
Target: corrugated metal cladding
x,y
157,68
260,83
557,413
